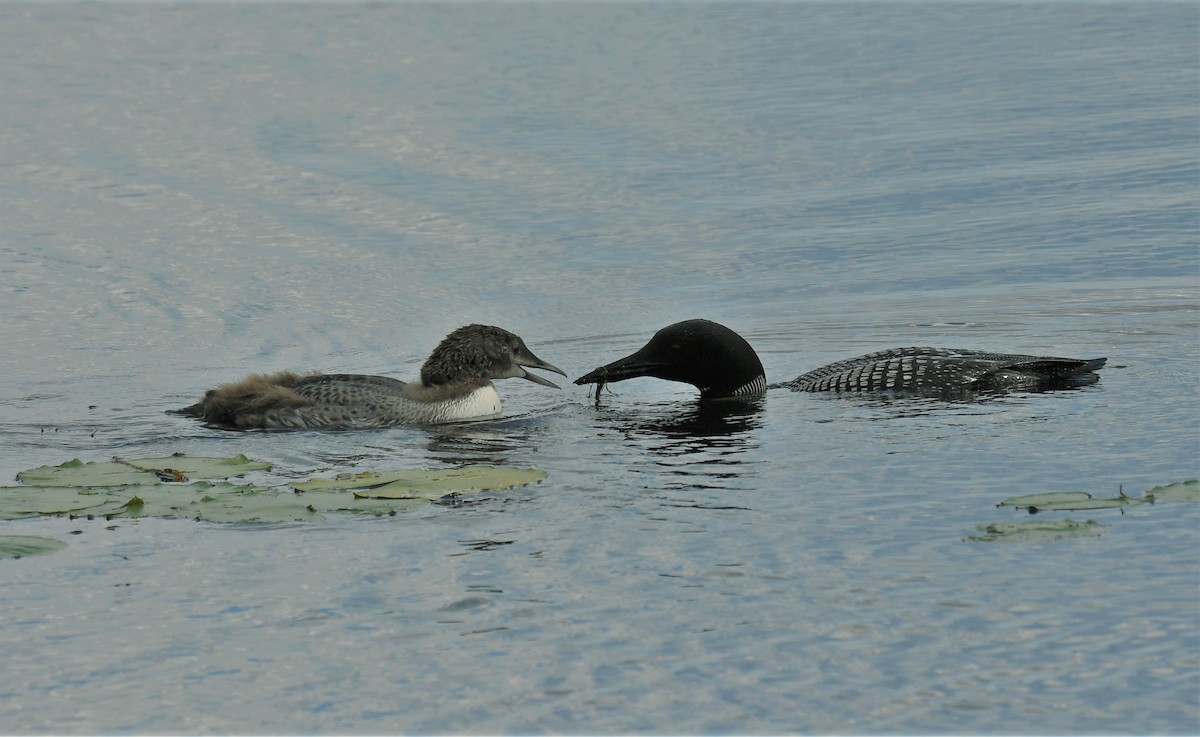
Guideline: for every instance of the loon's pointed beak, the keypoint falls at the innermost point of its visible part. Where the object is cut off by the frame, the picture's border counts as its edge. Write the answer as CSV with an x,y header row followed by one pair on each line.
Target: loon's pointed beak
x,y
629,367
526,359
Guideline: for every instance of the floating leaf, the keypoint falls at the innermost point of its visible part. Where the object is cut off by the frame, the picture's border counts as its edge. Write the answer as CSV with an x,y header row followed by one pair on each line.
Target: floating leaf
x,y
199,467
1059,501
33,501
341,482
1118,502
1036,531
425,483
78,473
356,505
1065,501
1051,497
23,546
202,500
1184,491
119,489
227,503
216,502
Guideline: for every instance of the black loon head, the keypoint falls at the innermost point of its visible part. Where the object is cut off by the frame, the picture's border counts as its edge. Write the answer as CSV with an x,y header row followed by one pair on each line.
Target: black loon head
x,y
711,357
479,353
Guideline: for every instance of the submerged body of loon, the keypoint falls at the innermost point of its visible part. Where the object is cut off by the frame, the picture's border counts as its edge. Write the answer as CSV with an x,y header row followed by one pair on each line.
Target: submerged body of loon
x,y
721,364
455,385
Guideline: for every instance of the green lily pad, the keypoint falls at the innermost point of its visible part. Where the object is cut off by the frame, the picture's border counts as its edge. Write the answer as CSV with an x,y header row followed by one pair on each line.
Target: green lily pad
x,y
325,503
1051,497
341,482
1118,502
1184,491
33,501
133,488
229,503
92,473
1064,501
198,467
121,472
201,500
23,546
424,483
214,502
1036,531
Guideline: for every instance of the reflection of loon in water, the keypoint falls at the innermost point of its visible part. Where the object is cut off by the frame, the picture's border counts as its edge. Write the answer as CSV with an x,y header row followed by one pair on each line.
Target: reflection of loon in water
x,y
699,450
705,439
721,364
708,420
455,385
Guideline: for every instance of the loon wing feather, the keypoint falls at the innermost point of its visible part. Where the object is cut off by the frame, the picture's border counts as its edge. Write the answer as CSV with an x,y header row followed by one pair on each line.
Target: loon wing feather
x,y
336,388
942,371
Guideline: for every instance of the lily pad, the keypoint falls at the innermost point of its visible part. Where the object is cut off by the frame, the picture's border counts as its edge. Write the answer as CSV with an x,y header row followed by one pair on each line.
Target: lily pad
x,y
23,546
92,473
201,500
214,502
17,502
1050,497
121,472
1118,502
1036,531
424,483
1064,501
199,467
229,503
134,488
341,482
1184,491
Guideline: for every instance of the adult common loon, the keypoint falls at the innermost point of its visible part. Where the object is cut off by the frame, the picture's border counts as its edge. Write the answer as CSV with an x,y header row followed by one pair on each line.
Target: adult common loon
x,y
455,385
721,364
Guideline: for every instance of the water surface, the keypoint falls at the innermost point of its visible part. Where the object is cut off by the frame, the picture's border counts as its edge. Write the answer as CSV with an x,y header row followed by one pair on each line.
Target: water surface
x,y
195,192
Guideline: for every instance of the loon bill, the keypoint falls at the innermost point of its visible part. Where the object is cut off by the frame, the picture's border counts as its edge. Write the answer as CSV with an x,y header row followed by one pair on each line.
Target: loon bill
x,y
721,364
455,385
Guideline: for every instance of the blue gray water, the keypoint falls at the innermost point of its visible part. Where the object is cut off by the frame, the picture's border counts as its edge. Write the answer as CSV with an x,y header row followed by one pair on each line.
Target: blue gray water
x,y
192,192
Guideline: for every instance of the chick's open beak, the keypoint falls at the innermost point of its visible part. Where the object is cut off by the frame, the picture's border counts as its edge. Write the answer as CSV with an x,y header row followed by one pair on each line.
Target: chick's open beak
x,y
528,360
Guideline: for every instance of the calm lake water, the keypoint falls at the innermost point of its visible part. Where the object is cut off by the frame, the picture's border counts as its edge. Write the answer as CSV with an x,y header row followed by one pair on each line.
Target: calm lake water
x,y
192,192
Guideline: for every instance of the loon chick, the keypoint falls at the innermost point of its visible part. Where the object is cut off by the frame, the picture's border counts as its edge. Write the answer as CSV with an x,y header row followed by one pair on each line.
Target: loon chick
x,y
455,385
721,364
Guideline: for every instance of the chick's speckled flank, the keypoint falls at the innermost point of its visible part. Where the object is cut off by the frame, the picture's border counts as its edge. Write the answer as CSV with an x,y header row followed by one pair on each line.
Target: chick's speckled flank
x,y
721,364
455,385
